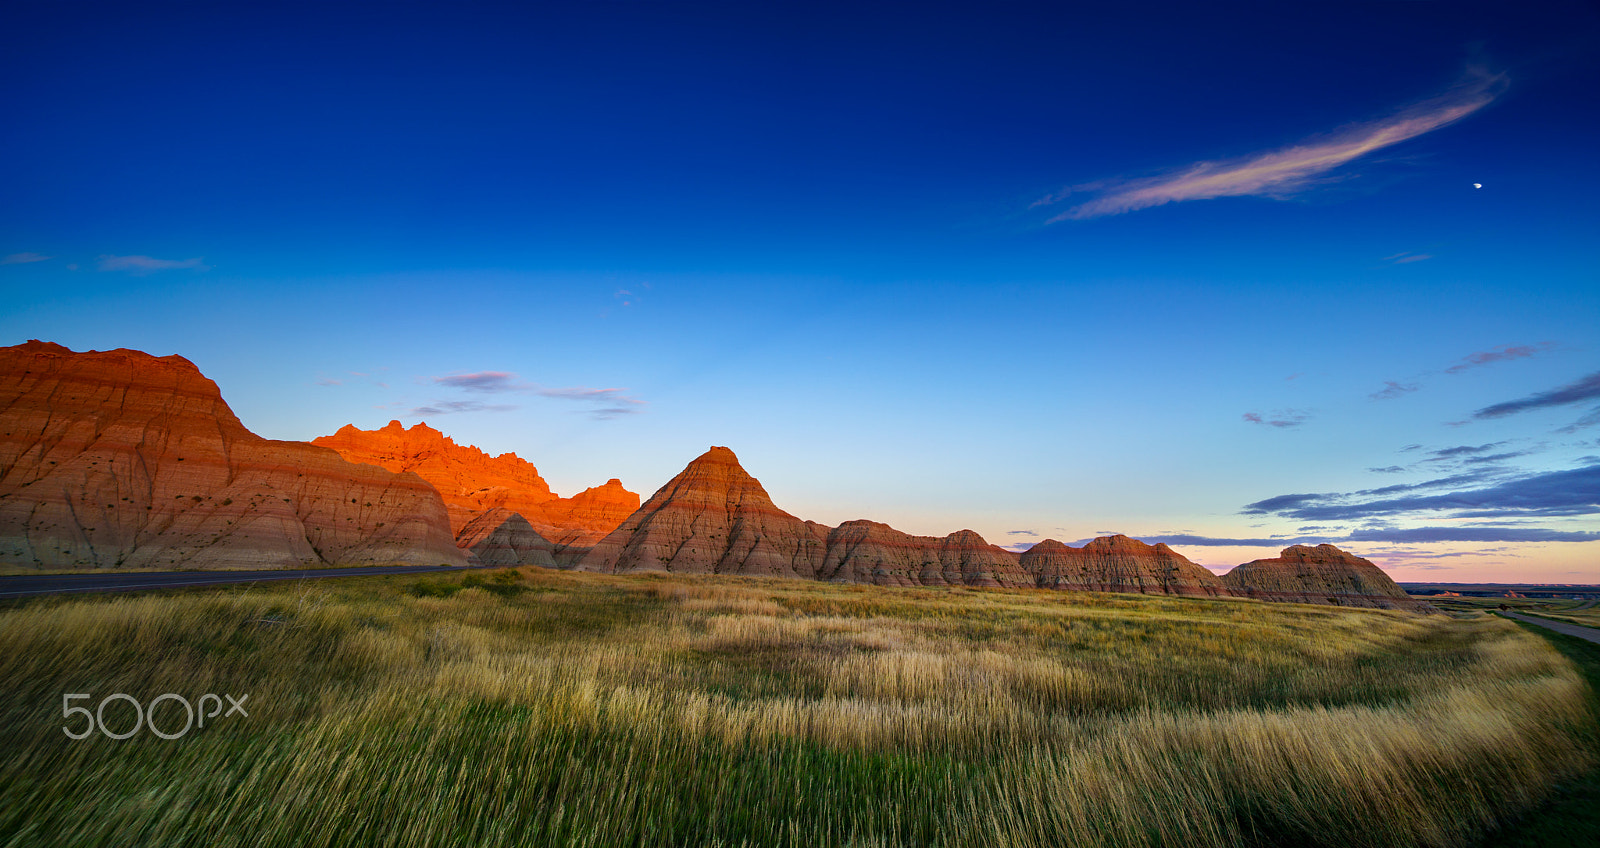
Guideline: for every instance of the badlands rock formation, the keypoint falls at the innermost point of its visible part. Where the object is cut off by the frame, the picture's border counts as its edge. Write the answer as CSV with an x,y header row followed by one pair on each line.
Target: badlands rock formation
x,y
711,518
869,552
1320,575
596,510
122,459
502,537
1119,564
473,482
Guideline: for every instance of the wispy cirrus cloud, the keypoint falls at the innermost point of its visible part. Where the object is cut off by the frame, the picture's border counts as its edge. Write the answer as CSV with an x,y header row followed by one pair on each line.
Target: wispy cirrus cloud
x,y
148,264
483,381
596,395
1582,390
1225,542
1471,534
1391,535
1282,418
451,407
1460,452
1283,172
1499,354
609,412
612,402
1478,494
1392,390
24,258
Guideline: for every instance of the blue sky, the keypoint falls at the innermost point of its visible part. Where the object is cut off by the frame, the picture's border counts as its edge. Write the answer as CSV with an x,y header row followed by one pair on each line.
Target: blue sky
x,y
1207,273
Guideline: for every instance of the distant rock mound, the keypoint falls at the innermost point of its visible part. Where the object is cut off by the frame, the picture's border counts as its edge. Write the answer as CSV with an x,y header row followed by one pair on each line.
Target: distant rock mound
x,y
122,459
713,518
870,552
502,537
473,482
1119,564
1320,575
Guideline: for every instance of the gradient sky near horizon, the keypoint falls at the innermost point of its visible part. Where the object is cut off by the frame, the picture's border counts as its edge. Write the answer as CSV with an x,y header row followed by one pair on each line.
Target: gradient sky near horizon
x,y
1230,276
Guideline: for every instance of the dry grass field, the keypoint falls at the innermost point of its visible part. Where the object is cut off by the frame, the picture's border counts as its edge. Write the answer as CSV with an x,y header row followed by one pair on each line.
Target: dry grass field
x,y
537,707
1586,613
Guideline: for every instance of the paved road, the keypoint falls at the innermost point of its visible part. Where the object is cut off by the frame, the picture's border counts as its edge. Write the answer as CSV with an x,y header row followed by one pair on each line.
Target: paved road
x,y
20,586
1578,630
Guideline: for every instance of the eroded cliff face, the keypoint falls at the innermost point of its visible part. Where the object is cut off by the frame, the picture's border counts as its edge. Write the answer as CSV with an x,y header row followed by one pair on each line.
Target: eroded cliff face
x,y
473,482
465,476
122,459
713,518
869,552
502,537
1320,575
1119,564
586,518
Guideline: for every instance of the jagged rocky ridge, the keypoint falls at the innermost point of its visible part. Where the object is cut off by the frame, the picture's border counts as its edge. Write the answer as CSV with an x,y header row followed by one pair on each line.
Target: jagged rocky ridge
x,y
474,483
123,459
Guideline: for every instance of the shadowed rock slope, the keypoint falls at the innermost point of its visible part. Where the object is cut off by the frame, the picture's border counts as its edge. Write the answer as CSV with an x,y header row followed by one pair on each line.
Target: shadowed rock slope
x,y
869,552
1119,564
502,537
123,459
713,518
1320,575
473,482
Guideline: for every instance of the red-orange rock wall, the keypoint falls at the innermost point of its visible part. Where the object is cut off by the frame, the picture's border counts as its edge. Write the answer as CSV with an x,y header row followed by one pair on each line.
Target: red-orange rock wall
x,y
473,482
121,459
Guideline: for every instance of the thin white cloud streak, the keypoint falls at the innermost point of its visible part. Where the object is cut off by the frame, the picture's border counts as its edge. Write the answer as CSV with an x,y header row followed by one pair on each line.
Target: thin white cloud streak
x,y
23,258
1279,173
146,264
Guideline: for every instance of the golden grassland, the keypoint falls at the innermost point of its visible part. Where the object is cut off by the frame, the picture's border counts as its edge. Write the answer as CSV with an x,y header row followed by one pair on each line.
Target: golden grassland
x,y
1586,613
538,707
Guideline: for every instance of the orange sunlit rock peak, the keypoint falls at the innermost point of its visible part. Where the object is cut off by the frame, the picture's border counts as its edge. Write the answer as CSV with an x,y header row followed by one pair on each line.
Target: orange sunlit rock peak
x,y
472,482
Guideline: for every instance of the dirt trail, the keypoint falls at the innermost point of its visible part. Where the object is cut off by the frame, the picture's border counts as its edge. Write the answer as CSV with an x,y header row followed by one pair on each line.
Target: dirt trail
x,y
1578,630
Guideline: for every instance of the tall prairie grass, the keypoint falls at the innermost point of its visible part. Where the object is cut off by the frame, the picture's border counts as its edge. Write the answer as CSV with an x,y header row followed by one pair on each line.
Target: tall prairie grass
x,y
553,708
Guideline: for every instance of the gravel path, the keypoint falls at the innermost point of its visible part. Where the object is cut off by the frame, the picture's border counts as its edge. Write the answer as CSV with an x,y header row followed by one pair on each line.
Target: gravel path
x,y
1578,630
